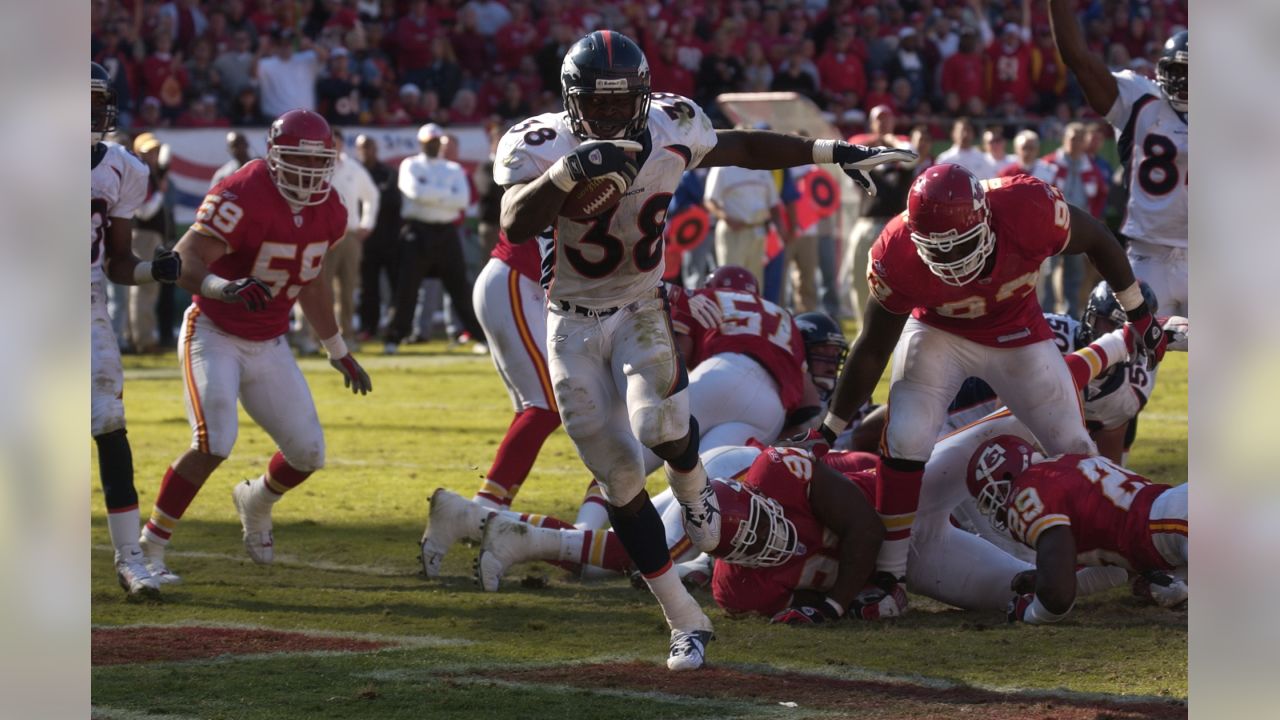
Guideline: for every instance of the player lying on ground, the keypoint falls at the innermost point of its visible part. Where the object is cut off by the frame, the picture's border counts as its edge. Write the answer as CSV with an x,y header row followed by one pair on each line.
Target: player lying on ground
x,y
1076,509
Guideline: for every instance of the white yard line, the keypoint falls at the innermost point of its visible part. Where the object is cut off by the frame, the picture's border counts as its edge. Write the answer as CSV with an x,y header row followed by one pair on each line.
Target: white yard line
x,y
285,561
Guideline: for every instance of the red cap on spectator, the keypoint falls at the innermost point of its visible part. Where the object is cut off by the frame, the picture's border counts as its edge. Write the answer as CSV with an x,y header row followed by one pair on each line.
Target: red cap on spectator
x,y
879,110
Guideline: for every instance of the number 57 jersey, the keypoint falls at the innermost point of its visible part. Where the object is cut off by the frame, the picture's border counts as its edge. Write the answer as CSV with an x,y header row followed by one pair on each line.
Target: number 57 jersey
x,y
614,258
268,239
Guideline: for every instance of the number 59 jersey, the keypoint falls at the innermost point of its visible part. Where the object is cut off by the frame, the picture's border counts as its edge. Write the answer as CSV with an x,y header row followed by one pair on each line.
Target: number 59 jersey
x,y
1153,149
617,257
268,239
118,188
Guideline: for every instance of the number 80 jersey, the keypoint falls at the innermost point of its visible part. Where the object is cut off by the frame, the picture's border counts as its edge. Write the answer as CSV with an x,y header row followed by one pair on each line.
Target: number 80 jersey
x,y
268,239
617,257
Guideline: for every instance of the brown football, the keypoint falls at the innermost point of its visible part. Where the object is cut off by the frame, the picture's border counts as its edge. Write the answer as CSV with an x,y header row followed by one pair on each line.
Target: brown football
x,y
592,198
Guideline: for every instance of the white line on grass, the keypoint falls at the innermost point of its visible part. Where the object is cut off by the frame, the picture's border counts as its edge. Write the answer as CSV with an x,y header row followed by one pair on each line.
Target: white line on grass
x,y
402,641
106,712
287,562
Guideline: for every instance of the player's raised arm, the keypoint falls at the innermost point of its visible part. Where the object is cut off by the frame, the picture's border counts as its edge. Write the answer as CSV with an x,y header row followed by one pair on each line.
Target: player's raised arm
x,y
867,359
1095,79
765,150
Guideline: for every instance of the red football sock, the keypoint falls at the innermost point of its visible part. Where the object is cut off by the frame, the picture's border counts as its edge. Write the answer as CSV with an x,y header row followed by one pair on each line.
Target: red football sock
x,y
545,521
176,494
519,448
602,548
897,497
281,476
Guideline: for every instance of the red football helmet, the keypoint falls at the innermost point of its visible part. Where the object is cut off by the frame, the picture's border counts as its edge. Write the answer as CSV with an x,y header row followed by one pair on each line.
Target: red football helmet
x,y
301,156
992,469
734,277
753,529
950,223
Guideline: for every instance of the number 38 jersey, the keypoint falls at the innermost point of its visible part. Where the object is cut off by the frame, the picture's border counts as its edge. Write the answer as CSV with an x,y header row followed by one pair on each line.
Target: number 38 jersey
x,y
1107,508
1153,148
1031,222
268,239
617,257
119,187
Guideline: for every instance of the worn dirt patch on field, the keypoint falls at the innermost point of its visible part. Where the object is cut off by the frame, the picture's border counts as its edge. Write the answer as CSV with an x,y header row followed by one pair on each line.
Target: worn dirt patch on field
x,y
116,646
860,698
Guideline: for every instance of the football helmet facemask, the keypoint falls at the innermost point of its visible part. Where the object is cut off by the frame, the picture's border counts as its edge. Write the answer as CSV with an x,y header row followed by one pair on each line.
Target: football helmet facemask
x,y
605,82
825,348
950,223
992,470
301,156
1173,71
102,103
754,530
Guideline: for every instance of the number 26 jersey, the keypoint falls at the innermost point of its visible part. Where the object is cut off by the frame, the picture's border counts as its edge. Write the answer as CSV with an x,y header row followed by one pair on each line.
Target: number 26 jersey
x,y
614,258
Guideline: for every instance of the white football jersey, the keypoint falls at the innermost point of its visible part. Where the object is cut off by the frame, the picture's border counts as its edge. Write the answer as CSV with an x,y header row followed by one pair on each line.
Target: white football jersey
x,y
119,186
1116,396
616,258
1153,149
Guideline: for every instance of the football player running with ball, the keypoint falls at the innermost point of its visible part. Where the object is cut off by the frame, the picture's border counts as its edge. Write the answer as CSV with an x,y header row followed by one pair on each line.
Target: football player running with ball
x,y
256,247
615,373
953,288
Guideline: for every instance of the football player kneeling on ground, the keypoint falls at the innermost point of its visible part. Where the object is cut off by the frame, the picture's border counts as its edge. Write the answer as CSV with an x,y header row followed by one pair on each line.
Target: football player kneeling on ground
x,y
1080,509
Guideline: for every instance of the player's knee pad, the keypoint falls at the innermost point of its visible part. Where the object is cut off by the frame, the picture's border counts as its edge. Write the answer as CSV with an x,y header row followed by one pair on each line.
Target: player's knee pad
x,y
681,453
622,488
115,469
907,442
655,425
305,457
108,415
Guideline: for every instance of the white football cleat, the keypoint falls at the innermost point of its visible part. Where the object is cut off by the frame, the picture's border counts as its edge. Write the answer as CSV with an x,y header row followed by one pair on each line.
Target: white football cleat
x,y
133,575
504,544
702,520
688,649
153,555
255,518
451,518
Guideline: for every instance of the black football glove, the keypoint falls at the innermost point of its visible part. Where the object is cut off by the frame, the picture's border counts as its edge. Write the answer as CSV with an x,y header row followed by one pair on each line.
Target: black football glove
x,y
801,613
602,158
353,376
166,265
855,160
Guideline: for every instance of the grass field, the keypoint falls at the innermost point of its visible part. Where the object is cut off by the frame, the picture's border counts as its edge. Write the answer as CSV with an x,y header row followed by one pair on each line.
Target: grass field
x,y
370,637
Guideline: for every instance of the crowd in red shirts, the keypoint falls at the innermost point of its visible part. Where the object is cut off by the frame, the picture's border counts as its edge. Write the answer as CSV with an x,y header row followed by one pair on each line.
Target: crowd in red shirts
x,y
202,63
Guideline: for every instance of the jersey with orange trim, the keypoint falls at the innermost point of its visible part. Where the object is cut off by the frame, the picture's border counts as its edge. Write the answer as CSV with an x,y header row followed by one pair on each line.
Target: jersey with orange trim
x,y
524,258
267,239
783,474
1031,222
118,187
1107,507
752,326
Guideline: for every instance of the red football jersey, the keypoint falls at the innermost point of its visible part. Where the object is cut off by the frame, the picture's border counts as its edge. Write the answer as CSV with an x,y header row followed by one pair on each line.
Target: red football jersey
x,y
524,258
783,474
1031,222
1107,508
267,239
753,327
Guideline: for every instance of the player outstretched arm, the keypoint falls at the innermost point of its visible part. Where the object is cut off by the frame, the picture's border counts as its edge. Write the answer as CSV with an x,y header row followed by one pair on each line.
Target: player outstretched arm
x,y
867,360
765,150
1096,80
125,268
529,208
316,301
843,509
1055,588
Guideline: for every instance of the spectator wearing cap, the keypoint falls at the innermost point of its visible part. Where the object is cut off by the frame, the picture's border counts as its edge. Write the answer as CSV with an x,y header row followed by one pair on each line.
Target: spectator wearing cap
x,y
238,148
338,93
1083,186
287,79
1026,148
893,180
435,193
962,73
963,152
152,229
380,254
1008,67
355,186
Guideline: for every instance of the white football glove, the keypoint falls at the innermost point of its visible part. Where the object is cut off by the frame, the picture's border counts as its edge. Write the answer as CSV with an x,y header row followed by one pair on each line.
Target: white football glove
x,y
706,311
1178,331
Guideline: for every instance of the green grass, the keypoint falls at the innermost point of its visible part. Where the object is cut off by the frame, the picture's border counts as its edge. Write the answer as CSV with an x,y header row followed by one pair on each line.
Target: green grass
x,y
434,420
